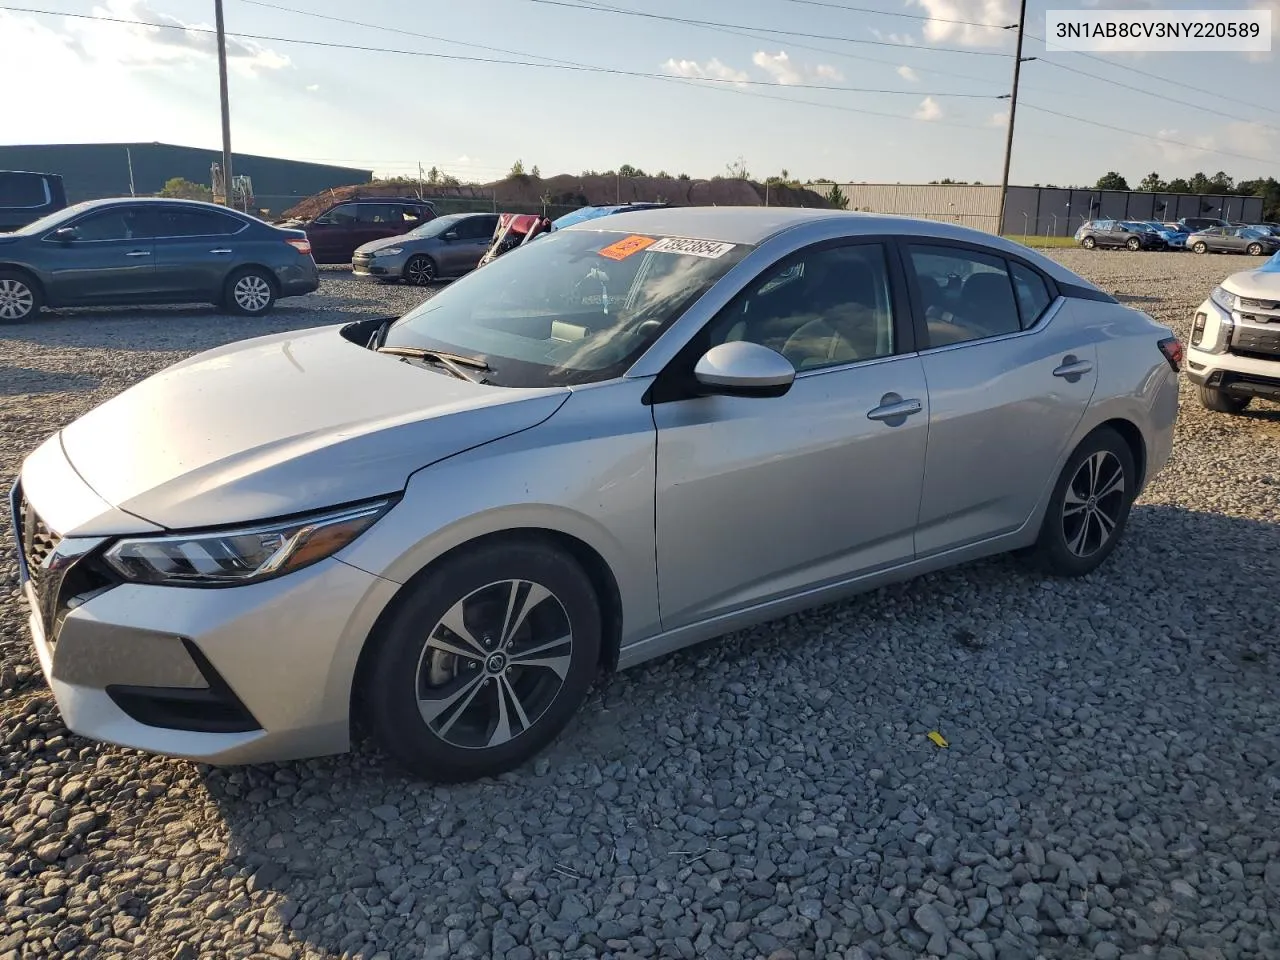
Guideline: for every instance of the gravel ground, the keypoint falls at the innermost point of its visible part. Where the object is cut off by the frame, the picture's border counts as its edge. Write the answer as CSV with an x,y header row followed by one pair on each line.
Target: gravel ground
x,y
1110,788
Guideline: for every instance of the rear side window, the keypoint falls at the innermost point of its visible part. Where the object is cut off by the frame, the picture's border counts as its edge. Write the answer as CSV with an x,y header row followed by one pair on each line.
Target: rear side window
x,y
1032,294
381,213
195,223
966,295
23,190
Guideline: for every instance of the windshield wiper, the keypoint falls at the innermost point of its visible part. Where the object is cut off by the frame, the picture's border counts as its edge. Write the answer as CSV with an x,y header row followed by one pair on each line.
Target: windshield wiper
x,y
455,363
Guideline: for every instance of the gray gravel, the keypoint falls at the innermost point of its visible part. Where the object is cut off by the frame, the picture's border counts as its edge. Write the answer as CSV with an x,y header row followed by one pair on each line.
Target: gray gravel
x,y
1109,791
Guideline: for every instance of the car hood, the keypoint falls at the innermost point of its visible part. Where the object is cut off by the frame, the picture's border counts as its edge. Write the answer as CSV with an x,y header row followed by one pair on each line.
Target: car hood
x,y
1261,284
284,424
384,242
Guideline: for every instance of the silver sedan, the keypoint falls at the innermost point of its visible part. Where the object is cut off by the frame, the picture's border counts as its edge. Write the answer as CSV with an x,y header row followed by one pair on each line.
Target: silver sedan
x,y
622,439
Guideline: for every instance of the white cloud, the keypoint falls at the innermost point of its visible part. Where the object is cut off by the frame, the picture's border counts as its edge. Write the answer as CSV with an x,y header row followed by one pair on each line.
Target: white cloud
x,y
143,47
928,110
999,119
778,65
825,71
463,159
312,87
903,39
713,69
1192,152
907,74
945,30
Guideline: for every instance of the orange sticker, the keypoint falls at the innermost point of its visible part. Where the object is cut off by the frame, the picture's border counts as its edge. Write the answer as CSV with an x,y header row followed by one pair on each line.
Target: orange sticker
x,y
626,247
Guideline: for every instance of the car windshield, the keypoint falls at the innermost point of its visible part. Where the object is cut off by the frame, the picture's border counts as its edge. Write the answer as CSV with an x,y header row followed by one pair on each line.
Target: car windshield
x,y
50,220
570,307
434,228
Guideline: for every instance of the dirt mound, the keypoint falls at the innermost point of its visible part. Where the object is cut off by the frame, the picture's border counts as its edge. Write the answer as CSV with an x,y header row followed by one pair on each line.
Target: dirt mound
x,y
567,190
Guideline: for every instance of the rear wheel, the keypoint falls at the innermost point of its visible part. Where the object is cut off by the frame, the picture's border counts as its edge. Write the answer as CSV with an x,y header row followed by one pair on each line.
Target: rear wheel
x,y
19,297
1200,247
1089,506
250,292
1255,249
420,271
1133,243
1088,243
483,662
1219,402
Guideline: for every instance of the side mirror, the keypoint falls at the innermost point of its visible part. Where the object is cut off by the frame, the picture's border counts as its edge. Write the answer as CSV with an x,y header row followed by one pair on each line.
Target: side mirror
x,y
449,235
65,234
743,369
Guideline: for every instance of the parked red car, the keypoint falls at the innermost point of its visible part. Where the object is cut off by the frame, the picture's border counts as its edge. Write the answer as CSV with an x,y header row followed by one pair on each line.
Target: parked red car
x,y
337,232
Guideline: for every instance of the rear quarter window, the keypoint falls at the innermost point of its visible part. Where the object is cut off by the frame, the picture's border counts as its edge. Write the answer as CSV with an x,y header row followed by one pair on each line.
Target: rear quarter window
x,y
23,190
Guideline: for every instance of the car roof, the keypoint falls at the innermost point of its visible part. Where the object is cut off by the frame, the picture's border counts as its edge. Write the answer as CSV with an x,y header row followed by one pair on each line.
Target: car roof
x,y
755,225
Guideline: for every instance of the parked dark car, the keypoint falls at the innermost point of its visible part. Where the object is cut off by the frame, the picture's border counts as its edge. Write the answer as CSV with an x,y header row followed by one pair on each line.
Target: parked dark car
x,y
1118,233
447,246
336,233
1233,240
26,197
136,251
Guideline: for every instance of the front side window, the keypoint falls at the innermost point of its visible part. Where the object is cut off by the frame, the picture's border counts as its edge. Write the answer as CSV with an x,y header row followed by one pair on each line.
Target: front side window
x,y
117,223
819,309
23,190
570,307
966,295
342,215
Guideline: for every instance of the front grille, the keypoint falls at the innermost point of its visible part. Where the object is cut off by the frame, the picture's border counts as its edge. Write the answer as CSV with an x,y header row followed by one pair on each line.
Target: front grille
x,y
1266,305
1252,341
38,541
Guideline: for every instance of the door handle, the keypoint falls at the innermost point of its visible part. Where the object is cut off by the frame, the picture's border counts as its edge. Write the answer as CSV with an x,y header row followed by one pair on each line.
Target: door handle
x,y
1072,369
138,253
893,407
221,250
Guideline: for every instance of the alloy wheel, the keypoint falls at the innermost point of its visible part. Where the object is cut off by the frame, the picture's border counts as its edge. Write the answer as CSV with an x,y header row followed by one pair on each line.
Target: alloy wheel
x,y
16,300
420,272
252,293
493,664
1093,504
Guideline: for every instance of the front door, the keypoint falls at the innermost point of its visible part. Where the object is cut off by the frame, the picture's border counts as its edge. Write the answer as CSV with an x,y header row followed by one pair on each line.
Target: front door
x,y
1010,375
110,260
462,253
760,498
332,234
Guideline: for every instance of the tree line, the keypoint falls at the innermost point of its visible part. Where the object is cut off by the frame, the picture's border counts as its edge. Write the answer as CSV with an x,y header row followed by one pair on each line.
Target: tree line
x,y
1220,184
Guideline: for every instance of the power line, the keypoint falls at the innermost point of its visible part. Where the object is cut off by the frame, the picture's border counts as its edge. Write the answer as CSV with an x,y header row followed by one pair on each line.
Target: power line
x,y
490,60
786,33
903,14
1147,136
1153,93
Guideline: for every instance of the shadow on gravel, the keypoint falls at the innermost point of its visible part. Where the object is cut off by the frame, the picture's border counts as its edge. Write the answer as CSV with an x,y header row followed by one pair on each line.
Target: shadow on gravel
x,y
796,752
18,381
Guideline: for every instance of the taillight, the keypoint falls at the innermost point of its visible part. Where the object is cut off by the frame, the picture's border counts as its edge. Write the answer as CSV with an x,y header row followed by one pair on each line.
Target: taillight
x,y
1172,350
303,246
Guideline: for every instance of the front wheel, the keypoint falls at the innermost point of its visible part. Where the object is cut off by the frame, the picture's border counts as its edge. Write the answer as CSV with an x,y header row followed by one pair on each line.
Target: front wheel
x,y
420,271
483,662
1088,243
1133,243
1211,398
1200,247
1255,249
1088,508
250,292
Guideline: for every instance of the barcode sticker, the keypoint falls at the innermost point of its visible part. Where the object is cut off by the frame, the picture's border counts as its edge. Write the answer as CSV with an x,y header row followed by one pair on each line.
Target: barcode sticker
x,y
711,249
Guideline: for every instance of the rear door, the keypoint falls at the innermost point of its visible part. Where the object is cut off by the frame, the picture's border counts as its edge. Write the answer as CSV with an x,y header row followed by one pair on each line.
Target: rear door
x,y
195,250
377,221
110,260
1010,376
474,234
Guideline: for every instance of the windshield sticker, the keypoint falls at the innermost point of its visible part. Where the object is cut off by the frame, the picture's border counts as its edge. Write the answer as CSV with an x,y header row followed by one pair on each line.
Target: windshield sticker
x,y
626,247
710,249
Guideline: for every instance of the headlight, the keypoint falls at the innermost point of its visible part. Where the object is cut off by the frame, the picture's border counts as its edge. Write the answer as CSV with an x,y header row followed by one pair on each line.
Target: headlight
x,y
388,251
243,555
1227,301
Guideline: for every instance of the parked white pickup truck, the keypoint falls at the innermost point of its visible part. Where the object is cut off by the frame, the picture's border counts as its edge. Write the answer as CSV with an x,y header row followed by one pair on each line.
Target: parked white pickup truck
x,y
1234,352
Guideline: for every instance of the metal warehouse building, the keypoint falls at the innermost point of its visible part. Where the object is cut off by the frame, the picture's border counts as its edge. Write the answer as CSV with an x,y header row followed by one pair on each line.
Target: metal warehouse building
x,y
1040,211
94,170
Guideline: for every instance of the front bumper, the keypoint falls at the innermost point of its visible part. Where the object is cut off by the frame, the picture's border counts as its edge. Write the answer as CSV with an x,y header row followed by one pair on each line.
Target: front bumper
x,y
378,268
245,674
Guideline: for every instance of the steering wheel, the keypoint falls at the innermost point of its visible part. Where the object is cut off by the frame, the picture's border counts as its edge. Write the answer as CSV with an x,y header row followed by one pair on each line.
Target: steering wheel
x,y
798,348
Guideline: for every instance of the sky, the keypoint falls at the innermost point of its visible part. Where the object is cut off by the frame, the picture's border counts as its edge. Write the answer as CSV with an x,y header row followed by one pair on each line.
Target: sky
x,y
747,90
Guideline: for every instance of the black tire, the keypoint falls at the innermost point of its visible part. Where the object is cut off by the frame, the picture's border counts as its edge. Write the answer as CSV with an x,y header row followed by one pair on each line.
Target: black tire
x,y
1055,551
1214,399
250,292
420,271
1133,243
1255,249
20,297
406,660
1088,243
1199,247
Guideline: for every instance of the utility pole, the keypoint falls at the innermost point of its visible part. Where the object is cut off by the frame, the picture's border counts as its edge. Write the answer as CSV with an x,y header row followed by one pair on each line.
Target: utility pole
x,y
128,155
1013,111
227,191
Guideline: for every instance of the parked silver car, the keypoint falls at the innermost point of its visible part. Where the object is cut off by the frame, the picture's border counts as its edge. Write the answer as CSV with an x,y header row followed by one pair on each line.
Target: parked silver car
x,y
630,436
447,246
